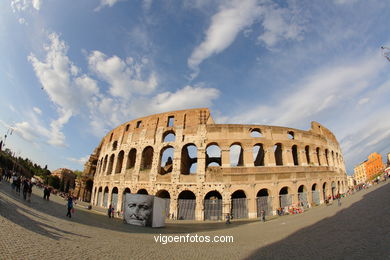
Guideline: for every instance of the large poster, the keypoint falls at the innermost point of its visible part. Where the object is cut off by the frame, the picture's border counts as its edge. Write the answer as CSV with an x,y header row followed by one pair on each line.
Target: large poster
x,y
144,210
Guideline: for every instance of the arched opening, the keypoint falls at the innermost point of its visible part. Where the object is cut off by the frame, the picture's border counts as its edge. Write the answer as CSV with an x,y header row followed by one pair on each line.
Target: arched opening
x,y
324,186
326,157
105,163
236,155
142,191
114,145
119,162
169,136
126,191
278,154
186,205
213,155
166,160
307,152
147,158
105,197
256,133
189,159
88,190
302,196
114,198
239,205
291,135
315,194
213,206
131,157
99,196
258,155
285,199
263,202
110,164
294,150
333,162
167,197
333,189
338,188
318,155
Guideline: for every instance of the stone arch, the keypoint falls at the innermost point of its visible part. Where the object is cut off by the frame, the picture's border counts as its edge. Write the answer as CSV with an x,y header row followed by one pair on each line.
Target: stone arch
x,y
315,194
169,136
324,190
239,204
110,164
307,152
164,194
326,157
258,155
333,189
99,195
236,154
186,205
294,151
213,205
105,197
131,157
278,152
105,163
285,198
142,191
302,195
119,162
263,202
318,156
256,132
213,155
114,198
291,135
189,159
166,160
147,158
114,145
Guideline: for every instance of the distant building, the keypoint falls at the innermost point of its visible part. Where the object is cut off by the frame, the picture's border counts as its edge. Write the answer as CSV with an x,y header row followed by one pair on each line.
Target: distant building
x,y
388,160
360,174
369,168
374,165
67,178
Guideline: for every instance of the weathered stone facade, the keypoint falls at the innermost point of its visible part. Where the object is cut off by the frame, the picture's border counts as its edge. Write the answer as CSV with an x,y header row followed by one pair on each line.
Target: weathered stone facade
x,y
207,170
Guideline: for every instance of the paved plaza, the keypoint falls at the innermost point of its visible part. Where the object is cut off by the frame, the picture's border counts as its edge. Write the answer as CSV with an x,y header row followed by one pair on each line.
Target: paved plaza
x,y
359,229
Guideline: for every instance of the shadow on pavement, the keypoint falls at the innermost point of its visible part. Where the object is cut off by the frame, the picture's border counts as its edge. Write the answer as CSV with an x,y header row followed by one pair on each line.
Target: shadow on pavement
x,y
360,231
85,217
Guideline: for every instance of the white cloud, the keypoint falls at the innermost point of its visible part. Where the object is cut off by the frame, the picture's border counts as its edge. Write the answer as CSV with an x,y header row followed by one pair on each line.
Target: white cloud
x,y
124,76
104,3
235,16
341,2
23,5
80,161
37,110
363,101
22,21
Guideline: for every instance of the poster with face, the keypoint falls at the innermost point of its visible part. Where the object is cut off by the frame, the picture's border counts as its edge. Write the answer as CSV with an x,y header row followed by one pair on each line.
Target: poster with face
x,y
144,210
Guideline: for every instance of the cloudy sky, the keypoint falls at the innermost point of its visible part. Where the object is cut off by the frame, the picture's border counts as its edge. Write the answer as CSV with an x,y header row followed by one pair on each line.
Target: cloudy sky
x,y
72,70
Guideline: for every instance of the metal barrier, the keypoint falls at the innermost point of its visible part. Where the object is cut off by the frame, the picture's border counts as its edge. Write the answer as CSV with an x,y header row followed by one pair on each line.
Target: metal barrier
x,y
114,200
186,209
264,203
239,208
302,198
105,199
213,209
98,198
167,207
316,197
285,200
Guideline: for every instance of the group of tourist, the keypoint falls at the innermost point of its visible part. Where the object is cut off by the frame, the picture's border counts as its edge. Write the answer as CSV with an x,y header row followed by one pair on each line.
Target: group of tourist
x,y
21,183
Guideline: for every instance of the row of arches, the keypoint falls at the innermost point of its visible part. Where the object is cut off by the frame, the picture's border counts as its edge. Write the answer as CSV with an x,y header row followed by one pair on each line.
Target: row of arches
x,y
212,201
189,158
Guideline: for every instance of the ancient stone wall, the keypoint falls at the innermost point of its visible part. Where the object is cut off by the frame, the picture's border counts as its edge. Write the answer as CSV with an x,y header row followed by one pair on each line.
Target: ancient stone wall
x,y
207,169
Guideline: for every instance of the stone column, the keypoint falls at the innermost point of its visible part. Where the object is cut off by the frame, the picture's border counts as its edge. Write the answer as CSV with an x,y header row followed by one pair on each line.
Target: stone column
x,y
287,156
248,157
225,154
199,208
269,156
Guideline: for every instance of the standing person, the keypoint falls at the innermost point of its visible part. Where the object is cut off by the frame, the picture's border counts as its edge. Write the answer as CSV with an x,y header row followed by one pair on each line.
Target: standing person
x,y
109,211
228,218
25,188
338,199
262,215
70,207
45,193
29,190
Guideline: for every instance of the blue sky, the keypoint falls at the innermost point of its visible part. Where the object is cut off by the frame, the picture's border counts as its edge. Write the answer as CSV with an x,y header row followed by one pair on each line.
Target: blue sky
x,y
72,70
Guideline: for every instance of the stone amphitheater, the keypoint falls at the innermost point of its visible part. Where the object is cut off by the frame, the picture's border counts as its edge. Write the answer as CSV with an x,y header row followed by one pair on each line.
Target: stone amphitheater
x,y
206,170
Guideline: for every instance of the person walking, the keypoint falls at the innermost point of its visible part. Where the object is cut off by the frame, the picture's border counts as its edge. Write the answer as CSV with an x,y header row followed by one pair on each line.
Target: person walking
x,y
228,218
262,215
29,190
338,199
69,206
109,211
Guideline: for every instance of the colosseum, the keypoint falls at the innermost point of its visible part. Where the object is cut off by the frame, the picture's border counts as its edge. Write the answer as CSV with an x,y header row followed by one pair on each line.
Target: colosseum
x,y
206,170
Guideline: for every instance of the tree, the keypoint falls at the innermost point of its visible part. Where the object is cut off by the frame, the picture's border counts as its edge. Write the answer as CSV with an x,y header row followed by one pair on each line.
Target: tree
x,y
54,181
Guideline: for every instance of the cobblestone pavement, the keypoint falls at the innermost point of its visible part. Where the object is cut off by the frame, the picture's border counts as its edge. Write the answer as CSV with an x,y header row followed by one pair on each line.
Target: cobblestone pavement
x,y
359,229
